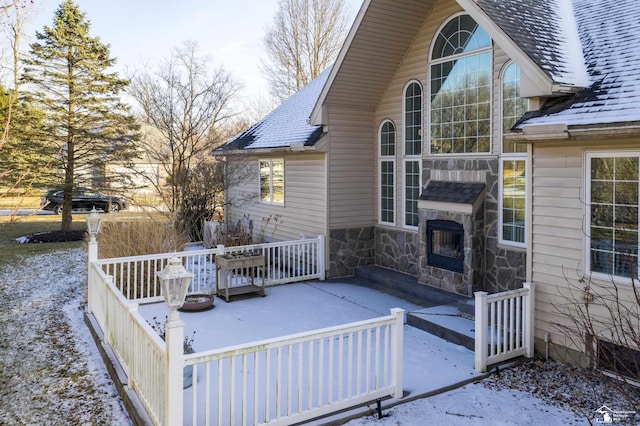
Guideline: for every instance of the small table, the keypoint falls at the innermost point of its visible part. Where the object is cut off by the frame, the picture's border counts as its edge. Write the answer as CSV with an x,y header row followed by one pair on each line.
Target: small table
x,y
229,263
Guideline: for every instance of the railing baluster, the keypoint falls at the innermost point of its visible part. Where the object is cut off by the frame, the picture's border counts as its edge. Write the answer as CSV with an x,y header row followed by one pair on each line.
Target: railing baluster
x,y
359,364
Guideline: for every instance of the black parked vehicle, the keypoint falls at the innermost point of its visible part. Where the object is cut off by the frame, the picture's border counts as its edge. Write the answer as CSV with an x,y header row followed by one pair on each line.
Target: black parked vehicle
x,y
83,199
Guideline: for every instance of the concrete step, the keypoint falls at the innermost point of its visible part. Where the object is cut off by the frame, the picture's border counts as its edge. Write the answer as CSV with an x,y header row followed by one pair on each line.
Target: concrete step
x,y
404,286
446,315
446,322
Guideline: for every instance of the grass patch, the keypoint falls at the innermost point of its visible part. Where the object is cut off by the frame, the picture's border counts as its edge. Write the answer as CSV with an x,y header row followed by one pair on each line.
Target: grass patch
x,y
11,251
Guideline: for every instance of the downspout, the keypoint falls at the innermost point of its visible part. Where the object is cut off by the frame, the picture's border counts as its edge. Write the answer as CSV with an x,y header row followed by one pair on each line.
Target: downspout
x,y
529,210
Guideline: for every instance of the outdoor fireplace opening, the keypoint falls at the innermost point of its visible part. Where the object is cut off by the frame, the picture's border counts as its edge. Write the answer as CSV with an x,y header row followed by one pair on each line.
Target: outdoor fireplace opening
x,y
445,245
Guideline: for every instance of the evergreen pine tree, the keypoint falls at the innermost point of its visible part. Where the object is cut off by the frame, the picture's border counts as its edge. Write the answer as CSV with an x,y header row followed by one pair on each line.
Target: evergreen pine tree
x,y
25,158
67,76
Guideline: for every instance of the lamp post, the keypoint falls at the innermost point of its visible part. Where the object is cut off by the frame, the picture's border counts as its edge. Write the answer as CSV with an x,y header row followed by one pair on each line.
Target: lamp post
x,y
174,279
93,227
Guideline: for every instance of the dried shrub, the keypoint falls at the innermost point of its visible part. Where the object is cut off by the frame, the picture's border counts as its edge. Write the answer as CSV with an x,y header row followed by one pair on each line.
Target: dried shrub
x,y
241,233
122,239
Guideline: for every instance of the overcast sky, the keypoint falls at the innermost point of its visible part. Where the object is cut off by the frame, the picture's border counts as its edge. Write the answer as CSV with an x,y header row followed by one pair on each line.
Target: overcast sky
x,y
145,31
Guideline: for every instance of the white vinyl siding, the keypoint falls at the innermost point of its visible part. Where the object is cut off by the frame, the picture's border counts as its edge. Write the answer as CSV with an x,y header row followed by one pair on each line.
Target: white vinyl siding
x,y
351,171
305,209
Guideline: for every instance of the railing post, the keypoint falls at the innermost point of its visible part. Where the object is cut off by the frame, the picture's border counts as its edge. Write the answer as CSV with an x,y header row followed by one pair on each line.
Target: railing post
x,y
530,318
321,257
92,256
481,325
397,351
174,339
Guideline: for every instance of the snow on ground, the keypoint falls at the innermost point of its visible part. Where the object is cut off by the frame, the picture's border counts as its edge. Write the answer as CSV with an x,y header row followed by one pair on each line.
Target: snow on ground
x,y
50,369
430,363
474,405
51,372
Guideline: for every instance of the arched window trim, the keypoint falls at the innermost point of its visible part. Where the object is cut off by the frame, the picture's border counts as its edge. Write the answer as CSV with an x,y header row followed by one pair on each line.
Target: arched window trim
x,y
427,119
458,55
503,71
404,118
395,143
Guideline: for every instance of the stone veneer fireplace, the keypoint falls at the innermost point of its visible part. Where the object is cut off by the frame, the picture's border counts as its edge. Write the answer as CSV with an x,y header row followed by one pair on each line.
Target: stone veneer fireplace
x,y
451,217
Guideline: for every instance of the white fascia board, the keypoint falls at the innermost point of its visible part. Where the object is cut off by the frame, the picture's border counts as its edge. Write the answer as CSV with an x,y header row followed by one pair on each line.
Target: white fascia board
x,y
527,66
318,114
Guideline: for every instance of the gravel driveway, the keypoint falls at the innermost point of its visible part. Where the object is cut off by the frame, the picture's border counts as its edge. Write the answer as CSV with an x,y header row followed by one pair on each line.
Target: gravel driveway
x,y
50,370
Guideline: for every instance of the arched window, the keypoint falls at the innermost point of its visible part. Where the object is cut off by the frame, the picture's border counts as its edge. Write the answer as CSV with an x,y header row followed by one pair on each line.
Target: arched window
x,y
461,88
513,106
387,165
413,119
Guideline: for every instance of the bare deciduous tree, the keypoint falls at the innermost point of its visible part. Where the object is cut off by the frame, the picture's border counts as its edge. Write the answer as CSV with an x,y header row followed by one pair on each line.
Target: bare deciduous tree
x,y
186,108
305,38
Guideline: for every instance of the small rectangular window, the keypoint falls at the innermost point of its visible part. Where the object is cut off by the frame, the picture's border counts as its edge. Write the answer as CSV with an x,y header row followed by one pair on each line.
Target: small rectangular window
x,y
272,181
513,200
411,192
387,191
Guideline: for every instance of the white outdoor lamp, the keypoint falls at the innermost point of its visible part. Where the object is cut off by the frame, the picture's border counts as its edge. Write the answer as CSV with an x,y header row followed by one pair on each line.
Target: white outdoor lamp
x,y
93,224
174,279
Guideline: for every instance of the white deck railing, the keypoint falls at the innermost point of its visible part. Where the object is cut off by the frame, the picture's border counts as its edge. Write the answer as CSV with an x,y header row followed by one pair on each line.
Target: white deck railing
x,y
277,381
296,378
504,326
138,348
285,262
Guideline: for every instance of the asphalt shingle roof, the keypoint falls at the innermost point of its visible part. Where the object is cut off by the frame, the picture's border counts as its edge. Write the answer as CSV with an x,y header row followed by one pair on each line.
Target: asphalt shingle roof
x,y
546,31
286,125
608,48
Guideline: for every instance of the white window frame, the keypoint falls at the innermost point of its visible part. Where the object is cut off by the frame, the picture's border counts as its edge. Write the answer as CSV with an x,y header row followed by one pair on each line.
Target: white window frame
x,y
509,156
271,161
427,115
404,119
387,159
404,189
501,239
586,261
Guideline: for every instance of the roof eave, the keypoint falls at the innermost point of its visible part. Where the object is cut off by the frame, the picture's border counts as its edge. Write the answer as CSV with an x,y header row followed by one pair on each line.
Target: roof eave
x,y
296,148
549,132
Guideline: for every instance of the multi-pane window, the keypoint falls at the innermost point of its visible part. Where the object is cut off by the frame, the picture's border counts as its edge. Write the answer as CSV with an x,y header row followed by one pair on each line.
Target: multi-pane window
x,y
387,172
413,119
513,200
461,89
272,181
613,216
411,192
513,168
